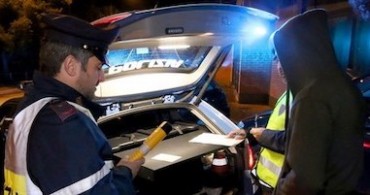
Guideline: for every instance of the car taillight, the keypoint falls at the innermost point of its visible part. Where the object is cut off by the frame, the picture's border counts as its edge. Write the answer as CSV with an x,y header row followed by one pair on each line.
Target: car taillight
x,y
110,19
367,144
250,157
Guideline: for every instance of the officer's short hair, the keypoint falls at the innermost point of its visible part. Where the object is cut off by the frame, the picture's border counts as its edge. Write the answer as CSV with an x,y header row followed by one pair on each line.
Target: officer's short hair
x,y
52,55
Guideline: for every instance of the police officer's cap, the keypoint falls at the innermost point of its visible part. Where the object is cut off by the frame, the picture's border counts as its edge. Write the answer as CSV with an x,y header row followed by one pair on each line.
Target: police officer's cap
x,y
79,33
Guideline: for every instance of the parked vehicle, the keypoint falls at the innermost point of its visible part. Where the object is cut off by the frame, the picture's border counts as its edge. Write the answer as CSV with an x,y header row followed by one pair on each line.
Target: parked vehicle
x,y
363,84
162,66
9,98
160,70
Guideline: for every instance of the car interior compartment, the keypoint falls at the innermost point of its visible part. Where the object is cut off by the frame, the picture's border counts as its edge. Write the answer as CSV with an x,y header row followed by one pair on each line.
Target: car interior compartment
x,y
125,132
172,156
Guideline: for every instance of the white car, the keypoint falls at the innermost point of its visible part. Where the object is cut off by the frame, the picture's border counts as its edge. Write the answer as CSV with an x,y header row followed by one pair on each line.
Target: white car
x,y
161,65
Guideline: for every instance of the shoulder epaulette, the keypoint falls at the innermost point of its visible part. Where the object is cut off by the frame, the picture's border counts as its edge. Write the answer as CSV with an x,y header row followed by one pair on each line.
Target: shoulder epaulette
x,y
63,109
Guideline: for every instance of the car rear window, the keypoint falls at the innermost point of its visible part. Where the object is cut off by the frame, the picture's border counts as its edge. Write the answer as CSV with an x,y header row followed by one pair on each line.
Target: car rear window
x,y
163,58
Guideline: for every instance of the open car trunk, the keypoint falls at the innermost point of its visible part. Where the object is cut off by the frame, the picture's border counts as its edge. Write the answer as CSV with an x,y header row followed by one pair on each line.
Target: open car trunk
x,y
161,67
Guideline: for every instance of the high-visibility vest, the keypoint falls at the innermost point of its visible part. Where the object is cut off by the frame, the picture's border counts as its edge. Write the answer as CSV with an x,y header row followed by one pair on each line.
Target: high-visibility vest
x,y
270,163
17,179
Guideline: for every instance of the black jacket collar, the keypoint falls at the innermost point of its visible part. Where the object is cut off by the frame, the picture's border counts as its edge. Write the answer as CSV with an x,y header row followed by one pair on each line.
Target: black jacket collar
x,y
46,86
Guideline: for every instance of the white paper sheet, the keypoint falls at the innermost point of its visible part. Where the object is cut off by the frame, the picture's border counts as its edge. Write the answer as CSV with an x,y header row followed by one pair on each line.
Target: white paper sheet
x,y
166,157
215,139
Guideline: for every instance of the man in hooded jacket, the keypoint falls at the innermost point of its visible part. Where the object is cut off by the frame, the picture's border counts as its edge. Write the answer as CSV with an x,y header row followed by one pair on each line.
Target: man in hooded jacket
x,y
324,138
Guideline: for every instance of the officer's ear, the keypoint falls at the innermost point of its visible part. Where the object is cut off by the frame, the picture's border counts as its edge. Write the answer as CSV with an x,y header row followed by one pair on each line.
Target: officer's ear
x,y
70,65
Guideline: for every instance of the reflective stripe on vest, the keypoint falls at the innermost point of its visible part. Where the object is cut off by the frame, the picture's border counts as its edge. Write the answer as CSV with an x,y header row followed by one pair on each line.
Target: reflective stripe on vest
x,y
270,163
86,183
17,180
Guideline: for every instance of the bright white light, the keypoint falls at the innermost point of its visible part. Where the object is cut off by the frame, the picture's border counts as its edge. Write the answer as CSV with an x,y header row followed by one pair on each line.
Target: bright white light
x,y
207,34
256,30
173,46
260,31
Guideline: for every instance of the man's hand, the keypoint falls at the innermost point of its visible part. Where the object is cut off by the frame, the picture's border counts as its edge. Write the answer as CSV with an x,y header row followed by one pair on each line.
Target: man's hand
x,y
257,132
133,165
237,134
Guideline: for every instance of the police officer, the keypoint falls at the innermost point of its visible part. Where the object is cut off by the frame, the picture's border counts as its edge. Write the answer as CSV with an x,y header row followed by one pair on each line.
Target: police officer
x,y
271,139
54,145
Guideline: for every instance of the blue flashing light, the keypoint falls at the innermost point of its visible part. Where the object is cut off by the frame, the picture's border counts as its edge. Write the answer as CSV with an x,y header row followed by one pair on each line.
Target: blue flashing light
x,y
256,30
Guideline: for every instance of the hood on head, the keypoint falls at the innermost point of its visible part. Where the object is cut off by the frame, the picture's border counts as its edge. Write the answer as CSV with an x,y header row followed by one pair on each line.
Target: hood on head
x,y
305,50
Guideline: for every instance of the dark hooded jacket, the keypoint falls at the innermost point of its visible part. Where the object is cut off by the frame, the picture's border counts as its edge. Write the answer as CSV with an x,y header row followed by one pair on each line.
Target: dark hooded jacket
x,y
324,139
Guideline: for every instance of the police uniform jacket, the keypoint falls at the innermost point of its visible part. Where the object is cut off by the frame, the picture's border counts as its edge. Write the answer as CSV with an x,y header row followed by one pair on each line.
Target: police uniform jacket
x,y
66,147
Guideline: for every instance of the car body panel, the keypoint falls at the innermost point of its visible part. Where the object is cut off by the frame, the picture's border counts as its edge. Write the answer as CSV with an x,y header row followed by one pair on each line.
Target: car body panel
x,y
8,93
192,19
